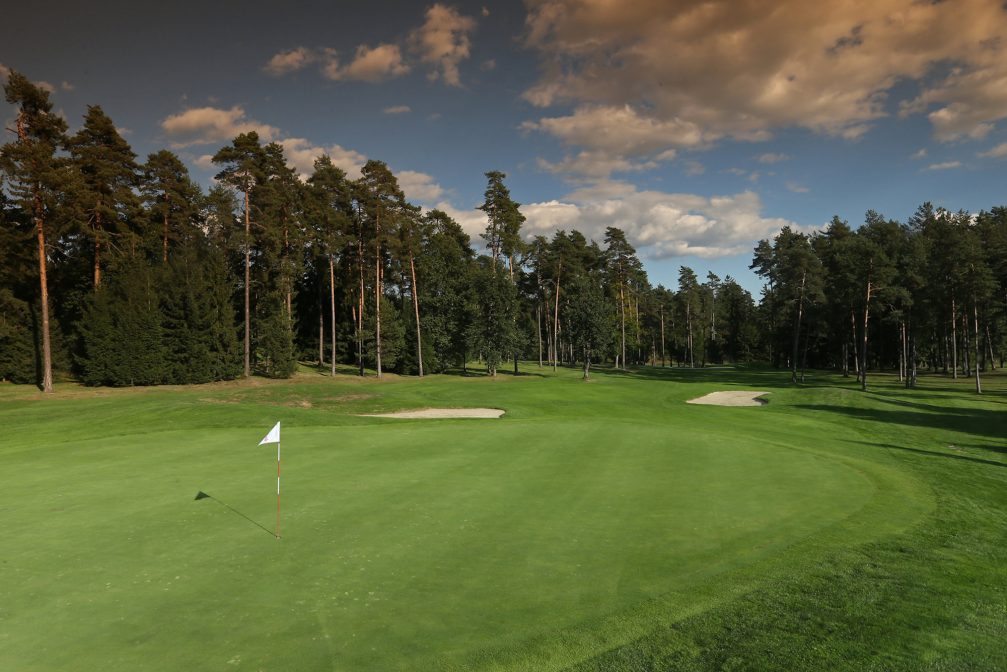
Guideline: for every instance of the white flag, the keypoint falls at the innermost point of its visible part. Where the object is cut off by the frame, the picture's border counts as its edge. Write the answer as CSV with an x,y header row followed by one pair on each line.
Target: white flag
x,y
273,436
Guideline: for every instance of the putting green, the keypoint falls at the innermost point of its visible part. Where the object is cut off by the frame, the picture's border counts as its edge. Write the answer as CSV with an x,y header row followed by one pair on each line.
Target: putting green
x,y
532,542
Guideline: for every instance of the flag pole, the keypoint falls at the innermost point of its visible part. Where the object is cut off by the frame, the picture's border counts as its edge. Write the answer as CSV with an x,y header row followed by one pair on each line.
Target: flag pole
x,y
277,489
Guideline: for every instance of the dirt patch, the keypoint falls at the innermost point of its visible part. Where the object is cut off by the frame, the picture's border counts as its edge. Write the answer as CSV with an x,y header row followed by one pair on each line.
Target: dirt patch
x,y
343,398
441,413
732,398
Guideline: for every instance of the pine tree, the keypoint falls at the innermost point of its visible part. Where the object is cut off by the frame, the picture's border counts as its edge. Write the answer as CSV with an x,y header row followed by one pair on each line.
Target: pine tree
x,y
241,162
35,178
105,175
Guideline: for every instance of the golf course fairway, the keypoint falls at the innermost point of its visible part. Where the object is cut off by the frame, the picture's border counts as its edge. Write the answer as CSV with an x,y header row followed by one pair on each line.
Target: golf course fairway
x,y
605,525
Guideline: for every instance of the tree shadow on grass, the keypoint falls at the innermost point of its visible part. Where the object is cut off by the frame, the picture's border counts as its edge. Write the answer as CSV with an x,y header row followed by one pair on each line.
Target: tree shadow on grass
x,y
975,421
934,453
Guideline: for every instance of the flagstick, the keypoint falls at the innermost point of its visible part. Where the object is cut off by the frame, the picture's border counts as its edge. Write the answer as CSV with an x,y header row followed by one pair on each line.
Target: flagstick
x,y
277,489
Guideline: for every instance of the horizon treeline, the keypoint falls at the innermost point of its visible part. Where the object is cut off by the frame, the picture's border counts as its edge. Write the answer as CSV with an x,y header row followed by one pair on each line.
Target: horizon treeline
x,y
120,272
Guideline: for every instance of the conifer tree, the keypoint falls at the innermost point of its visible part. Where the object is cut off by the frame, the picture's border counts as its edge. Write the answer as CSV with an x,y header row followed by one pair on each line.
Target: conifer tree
x,y
241,162
35,178
105,174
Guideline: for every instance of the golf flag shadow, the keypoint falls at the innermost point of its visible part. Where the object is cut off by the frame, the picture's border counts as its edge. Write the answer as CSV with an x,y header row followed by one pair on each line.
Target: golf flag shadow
x,y
202,495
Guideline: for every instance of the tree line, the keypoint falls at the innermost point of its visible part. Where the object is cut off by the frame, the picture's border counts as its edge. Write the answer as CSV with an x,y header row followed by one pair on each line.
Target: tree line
x,y
119,272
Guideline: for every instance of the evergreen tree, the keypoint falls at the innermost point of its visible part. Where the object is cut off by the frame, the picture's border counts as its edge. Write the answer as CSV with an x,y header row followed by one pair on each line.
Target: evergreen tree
x,y
242,161
105,173
172,199
35,178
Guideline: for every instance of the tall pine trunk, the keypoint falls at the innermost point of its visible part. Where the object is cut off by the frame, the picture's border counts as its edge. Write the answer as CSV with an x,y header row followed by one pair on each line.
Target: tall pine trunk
x,y
954,339
332,309
44,295
975,345
555,321
863,352
662,337
248,290
797,329
416,310
360,307
378,289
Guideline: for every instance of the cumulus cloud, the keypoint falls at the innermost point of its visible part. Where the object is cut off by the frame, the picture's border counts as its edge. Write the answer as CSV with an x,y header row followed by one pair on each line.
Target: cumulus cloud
x,y
290,61
797,188
659,224
301,155
443,42
770,158
919,155
419,186
595,165
737,70
369,64
206,125
946,165
397,109
997,152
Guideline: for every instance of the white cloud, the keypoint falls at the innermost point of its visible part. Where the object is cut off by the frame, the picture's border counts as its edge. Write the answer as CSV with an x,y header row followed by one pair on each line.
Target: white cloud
x,y
419,186
737,70
290,61
207,125
920,155
397,109
301,155
368,65
46,86
659,224
947,165
619,130
613,136
595,165
66,86
797,188
997,152
472,221
204,161
443,41
770,158
4,72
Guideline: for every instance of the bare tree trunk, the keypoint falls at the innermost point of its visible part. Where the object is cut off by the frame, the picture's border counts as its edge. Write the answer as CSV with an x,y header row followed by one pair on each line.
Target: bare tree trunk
x,y
378,290
975,345
538,321
321,328
587,364
43,292
360,308
662,337
989,346
622,313
332,310
863,354
416,309
954,339
555,322
856,350
797,328
688,320
248,289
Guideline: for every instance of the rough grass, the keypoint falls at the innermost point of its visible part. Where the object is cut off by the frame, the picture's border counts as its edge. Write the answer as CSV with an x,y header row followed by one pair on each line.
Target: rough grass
x,y
597,526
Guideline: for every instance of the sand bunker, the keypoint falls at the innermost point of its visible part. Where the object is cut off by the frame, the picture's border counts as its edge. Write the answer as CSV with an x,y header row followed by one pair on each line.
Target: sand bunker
x,y
442,413
733,398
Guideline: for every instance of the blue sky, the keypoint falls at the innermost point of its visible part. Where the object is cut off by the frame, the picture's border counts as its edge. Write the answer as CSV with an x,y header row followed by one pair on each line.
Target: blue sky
x,y
698,127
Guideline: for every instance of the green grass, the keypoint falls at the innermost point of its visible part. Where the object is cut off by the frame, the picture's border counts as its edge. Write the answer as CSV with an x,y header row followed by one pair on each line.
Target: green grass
x,y
596,526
